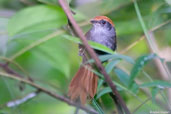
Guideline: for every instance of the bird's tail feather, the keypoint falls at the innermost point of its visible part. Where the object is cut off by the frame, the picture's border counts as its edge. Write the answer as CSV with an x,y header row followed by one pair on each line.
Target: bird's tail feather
x,y
83,84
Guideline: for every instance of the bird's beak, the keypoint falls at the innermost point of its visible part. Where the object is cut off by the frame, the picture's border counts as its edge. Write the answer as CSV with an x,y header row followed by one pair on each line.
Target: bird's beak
x,y
93,21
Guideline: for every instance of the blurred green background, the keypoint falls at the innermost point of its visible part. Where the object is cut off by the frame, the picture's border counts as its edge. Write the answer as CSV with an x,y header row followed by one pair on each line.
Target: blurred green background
x,y
32,34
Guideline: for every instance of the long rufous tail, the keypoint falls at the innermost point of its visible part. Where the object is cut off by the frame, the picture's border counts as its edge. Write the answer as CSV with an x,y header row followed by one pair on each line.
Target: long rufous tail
x,y
83,84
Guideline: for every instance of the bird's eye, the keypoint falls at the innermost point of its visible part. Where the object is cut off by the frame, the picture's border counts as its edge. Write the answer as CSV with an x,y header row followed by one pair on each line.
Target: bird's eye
x,y
103,22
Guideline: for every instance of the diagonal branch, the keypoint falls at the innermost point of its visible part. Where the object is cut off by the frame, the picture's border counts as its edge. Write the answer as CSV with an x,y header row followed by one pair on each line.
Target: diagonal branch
x,y
50,93
91,52
14,75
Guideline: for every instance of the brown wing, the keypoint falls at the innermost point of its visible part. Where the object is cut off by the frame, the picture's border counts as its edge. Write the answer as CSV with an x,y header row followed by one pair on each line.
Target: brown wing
x,y
82,51
81,47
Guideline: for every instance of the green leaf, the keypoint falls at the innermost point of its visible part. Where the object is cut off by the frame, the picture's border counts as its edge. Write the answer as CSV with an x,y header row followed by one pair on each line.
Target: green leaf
x,y
72,38
41,17
102,58
132,91
96,105
100,47
119,88
111,65
123,76
140,63
98,74
154,92
103,92
55,53
134,88
37,22
91,43
114,56
157,83
52,54
100,82
108,90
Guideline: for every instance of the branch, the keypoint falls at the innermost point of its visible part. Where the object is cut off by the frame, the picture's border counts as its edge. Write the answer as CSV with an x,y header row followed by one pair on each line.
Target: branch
x,y
143,36
14,75
52,94
10,71
8,61
91,52
142,104
7,69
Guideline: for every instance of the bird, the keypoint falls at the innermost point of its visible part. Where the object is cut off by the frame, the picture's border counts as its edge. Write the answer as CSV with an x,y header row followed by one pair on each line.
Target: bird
x,y
84,84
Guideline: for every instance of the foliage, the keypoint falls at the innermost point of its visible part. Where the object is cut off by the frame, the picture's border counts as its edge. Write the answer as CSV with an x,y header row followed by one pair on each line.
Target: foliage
x,y
36,44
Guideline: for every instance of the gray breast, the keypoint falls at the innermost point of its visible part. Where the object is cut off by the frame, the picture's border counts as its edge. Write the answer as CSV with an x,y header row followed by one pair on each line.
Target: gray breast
x,y
104,36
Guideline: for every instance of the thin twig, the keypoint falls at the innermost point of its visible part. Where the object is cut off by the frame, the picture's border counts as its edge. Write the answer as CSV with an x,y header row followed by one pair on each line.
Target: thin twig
x,y
142,104
142,37
16,64
44,39
50,93
133,44
7,69
10,71
91,52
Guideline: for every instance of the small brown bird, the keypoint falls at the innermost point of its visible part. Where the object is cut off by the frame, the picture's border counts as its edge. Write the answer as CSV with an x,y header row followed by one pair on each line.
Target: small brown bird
x,y
84,83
